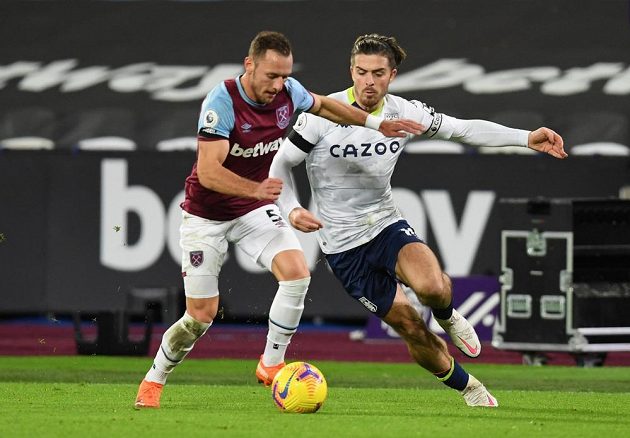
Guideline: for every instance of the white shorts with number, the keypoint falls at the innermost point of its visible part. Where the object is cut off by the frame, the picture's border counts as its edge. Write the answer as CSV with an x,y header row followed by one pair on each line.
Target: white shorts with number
x,y
261,234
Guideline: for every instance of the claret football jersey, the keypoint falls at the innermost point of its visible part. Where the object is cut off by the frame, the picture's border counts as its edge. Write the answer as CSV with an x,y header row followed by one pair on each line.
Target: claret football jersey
x,y
254,132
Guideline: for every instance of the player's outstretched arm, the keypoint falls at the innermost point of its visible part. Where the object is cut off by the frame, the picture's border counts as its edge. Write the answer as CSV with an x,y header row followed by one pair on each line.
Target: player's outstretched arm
x,y
547,141
213,176
490,134
343,113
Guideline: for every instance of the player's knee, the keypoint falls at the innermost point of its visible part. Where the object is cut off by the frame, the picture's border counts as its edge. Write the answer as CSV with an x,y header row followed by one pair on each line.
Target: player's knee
x,y
205,315
202,309
293,271
433,289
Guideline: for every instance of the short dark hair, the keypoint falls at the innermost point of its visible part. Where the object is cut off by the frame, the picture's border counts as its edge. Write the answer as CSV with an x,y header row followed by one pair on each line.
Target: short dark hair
x,y
269,40
375,44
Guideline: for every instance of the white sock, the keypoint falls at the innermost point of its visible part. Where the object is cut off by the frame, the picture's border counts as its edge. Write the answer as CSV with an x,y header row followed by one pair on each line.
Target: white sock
x,y
284,318
177,342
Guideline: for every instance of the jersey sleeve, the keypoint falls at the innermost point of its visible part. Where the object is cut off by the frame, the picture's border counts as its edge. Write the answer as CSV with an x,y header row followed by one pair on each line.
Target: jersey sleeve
x,y
302,99
307,131
217,114
481,133
426,116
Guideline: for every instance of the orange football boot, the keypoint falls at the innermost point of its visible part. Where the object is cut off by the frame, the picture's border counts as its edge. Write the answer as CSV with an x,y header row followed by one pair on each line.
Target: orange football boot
x,y
148,395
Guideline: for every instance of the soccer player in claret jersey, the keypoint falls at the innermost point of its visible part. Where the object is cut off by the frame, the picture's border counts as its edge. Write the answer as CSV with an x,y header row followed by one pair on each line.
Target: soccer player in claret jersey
x,y
229,198
367,243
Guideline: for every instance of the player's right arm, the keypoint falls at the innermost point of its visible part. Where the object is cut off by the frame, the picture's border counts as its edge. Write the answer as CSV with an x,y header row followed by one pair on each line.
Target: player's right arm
x,y
214,176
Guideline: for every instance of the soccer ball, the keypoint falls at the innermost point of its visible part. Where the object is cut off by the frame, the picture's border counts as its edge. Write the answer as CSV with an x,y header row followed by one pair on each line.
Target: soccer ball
x,y
299,387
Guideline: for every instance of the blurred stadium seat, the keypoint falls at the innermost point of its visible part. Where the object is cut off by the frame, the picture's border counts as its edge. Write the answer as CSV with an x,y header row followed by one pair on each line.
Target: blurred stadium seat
x,y
99,129
171,131
593,132
434,147
27,128
601,148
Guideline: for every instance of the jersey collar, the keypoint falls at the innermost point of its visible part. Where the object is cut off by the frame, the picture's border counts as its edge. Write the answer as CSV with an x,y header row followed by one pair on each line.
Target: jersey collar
x,y
353,102
244,95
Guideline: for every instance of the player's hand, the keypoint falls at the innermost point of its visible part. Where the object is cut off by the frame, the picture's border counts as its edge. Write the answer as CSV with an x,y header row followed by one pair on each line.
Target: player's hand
x,y
547,141
401,128
304,220
269,188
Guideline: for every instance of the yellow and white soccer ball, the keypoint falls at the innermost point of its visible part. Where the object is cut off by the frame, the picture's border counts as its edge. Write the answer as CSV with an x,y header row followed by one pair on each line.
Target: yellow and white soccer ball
x,y
299,387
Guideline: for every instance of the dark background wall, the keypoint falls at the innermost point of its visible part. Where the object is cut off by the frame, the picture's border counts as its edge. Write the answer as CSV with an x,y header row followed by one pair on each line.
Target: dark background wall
x,y
139,70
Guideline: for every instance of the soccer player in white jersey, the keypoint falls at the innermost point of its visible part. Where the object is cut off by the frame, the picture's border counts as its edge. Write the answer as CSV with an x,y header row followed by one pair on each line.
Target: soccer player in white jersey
x,y
229,198
367,243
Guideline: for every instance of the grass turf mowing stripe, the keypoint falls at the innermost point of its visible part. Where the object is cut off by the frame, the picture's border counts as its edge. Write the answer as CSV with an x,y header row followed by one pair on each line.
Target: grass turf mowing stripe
x,y
79,396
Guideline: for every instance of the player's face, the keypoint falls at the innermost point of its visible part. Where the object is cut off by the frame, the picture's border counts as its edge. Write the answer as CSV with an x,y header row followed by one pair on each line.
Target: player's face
x,y
371,75
266,75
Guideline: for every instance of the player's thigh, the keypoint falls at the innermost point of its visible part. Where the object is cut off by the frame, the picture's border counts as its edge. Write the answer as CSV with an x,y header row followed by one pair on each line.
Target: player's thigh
x,y
204,247
418,267
262,234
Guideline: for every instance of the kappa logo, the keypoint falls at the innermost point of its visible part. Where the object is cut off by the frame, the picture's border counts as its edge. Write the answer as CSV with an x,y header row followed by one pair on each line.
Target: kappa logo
x,y
196,258
283,116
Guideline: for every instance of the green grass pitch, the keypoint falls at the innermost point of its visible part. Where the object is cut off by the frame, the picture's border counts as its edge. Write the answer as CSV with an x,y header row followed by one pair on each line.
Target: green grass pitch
x,y
93,397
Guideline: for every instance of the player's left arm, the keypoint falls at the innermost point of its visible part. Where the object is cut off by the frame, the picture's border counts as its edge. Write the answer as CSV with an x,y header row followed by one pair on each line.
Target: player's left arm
x,y
288,157
340,112
485,133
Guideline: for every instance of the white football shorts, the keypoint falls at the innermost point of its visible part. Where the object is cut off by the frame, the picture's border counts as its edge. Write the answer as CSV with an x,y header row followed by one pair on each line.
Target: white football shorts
x,y
261,234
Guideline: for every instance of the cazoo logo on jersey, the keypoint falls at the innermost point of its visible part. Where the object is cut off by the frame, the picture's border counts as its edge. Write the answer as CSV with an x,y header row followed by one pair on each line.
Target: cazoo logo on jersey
x,y
363,149
260,149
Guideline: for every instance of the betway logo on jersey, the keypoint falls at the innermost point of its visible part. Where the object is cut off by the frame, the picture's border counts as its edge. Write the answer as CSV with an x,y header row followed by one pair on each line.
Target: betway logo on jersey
x,y
260,149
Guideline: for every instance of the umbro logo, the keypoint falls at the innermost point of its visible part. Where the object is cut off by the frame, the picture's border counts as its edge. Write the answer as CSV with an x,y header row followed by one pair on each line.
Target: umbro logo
x,y
246,127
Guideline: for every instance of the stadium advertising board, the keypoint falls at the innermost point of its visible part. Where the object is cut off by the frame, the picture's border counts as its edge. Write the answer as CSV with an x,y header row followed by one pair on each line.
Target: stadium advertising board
x,y
81,230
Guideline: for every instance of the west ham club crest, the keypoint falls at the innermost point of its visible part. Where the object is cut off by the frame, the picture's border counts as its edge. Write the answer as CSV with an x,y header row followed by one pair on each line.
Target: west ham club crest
x,y
283,117
196,258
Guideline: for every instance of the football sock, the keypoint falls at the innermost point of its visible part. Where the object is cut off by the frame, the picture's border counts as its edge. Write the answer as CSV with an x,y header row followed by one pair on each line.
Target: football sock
x,y
284,318
443,313
455,377
177,341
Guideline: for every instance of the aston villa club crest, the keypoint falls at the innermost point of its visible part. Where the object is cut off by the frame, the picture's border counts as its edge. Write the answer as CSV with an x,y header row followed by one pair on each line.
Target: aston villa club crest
x,y
283,117
196,258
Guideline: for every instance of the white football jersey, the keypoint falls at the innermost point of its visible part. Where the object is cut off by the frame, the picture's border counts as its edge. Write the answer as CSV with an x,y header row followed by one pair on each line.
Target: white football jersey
x,y
350,168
